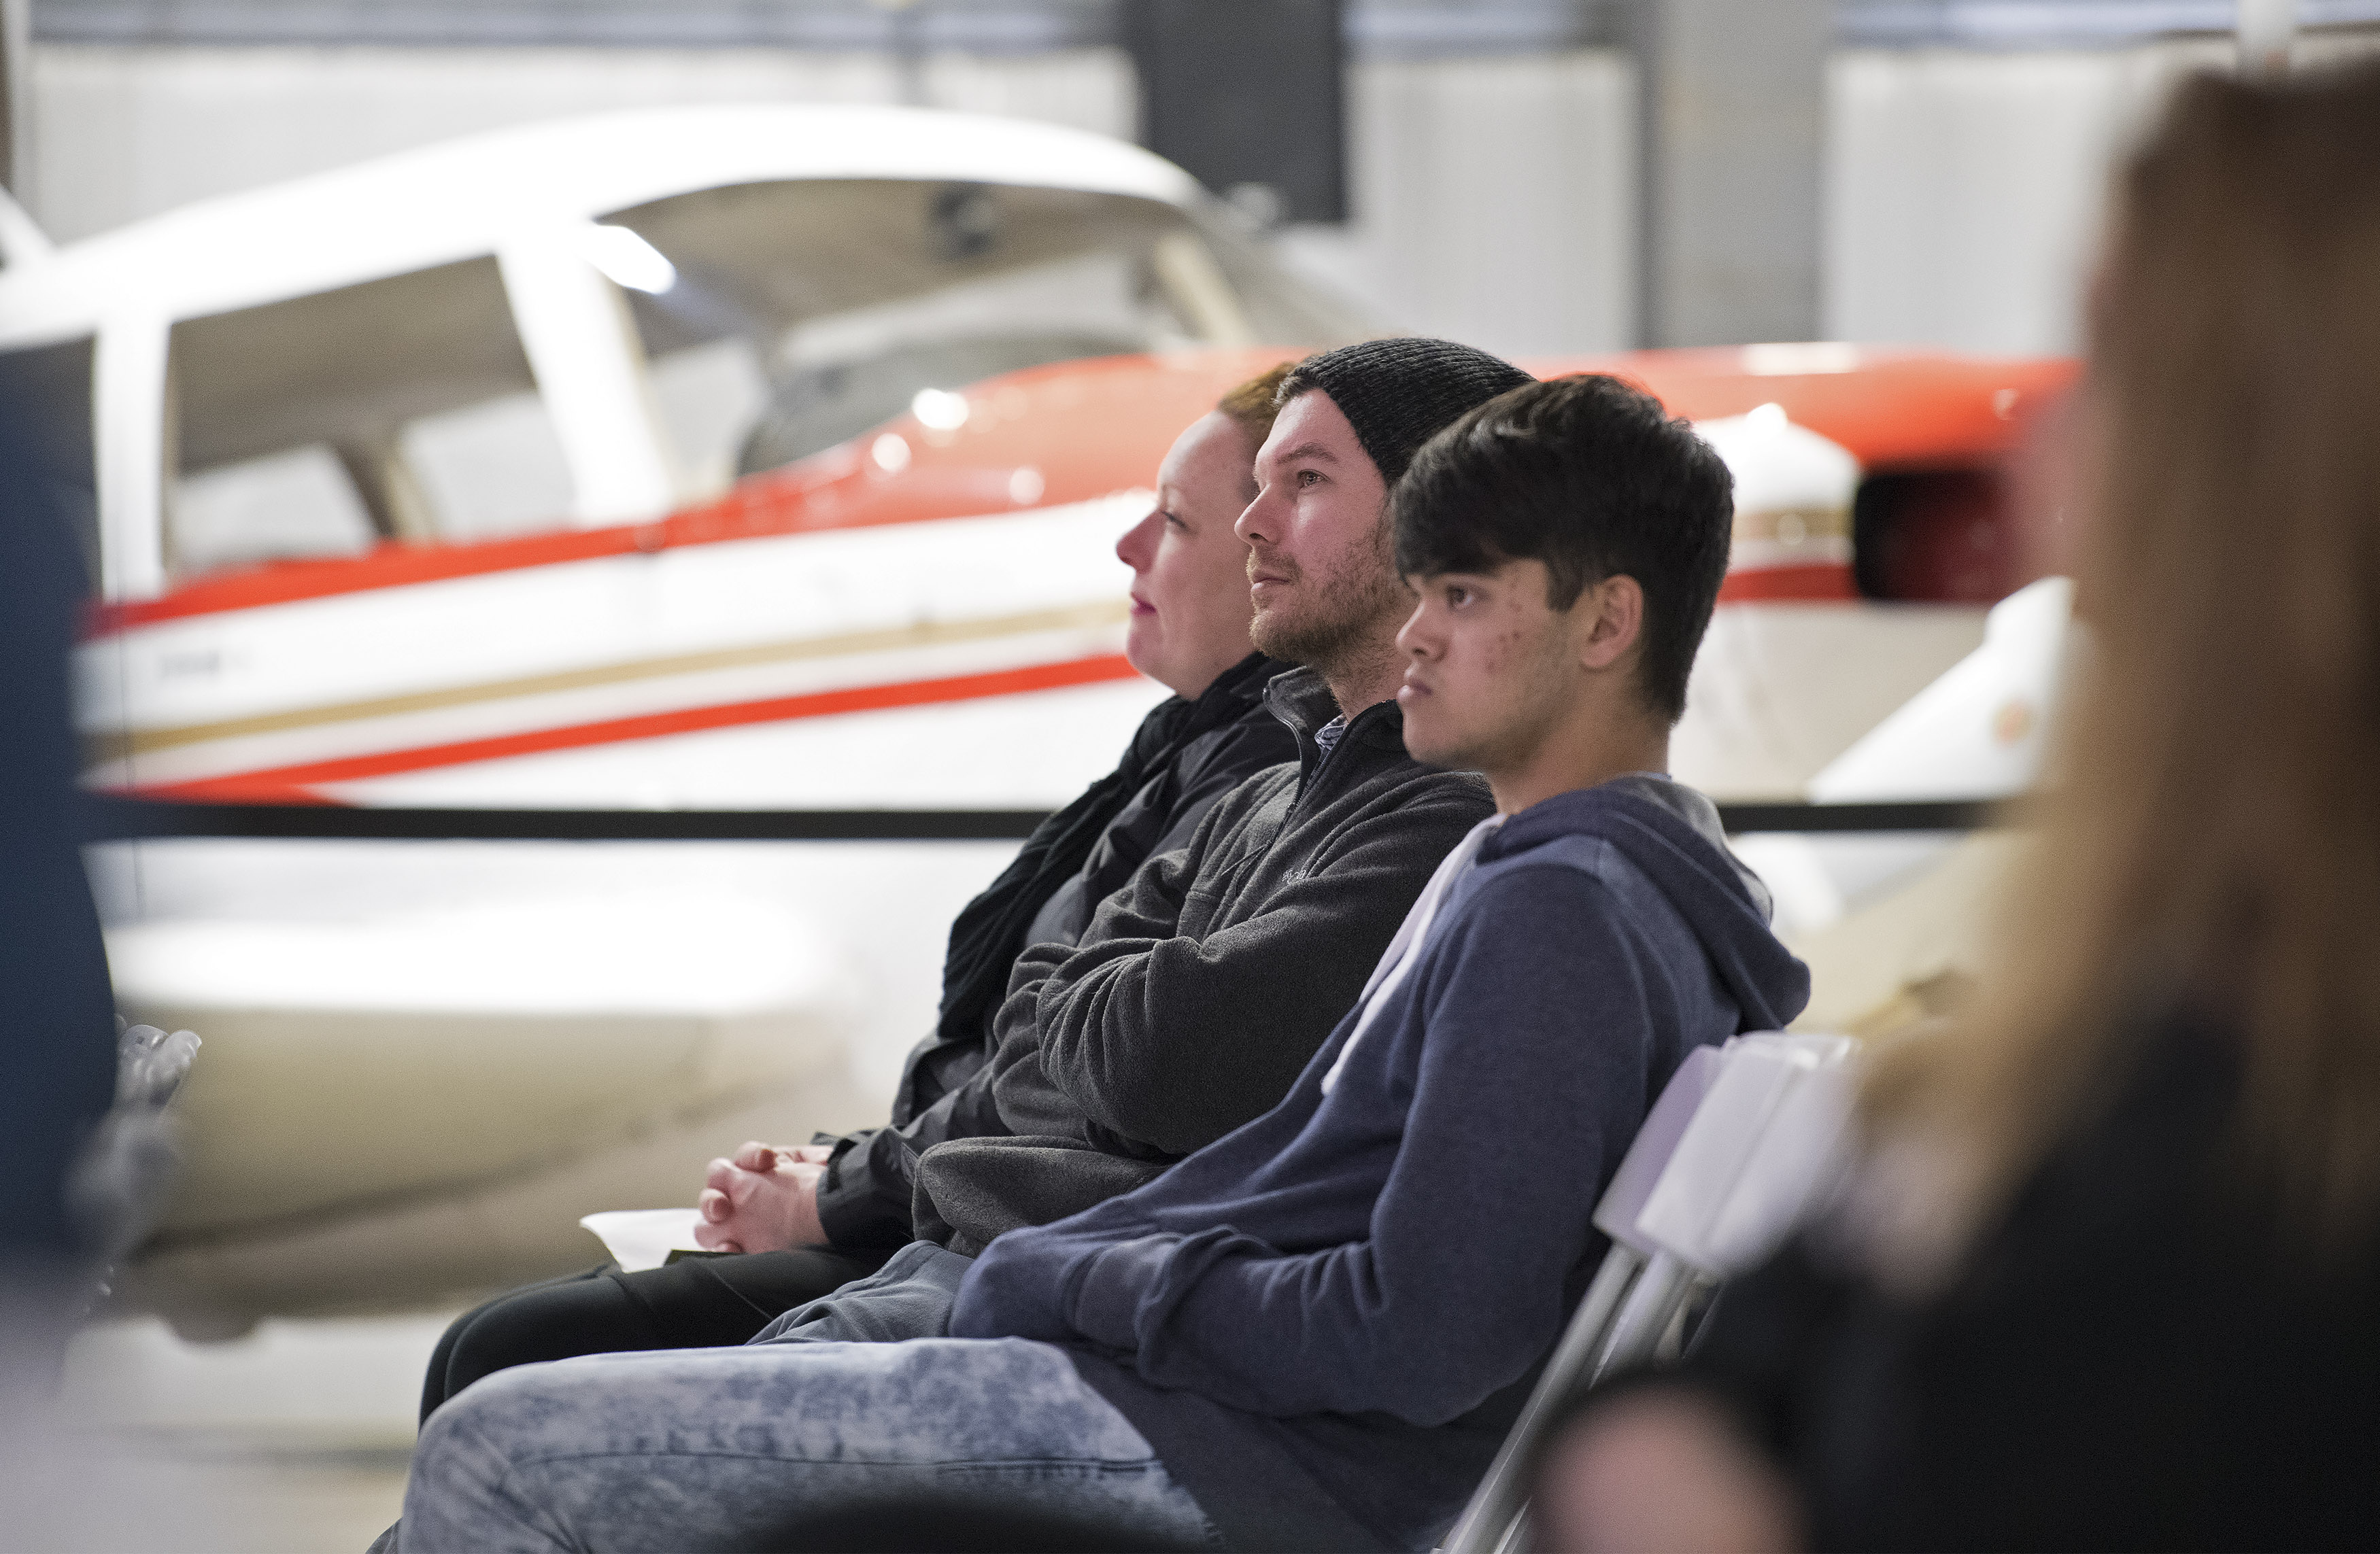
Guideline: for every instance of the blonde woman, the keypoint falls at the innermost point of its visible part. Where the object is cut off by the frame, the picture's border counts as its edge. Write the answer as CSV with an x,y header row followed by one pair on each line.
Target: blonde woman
x,y
2111,1277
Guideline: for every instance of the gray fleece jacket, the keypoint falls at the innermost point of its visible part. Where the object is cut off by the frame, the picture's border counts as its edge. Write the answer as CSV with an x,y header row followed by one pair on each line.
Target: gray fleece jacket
x,y
1201,988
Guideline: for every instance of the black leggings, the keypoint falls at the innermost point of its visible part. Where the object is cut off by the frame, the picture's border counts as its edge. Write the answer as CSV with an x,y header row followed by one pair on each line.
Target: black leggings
x,y
706,1303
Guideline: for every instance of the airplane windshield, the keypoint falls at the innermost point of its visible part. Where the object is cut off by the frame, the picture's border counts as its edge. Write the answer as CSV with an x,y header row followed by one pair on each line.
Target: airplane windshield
x,y
802,313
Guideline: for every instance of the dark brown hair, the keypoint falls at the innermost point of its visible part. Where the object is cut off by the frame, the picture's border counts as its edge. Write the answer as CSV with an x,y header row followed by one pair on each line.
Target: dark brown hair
x,y
1591,476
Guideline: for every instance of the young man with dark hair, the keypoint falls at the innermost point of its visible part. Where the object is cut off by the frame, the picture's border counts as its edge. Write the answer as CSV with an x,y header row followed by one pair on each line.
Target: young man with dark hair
x,y
1589,479
1325,1324
1314,1333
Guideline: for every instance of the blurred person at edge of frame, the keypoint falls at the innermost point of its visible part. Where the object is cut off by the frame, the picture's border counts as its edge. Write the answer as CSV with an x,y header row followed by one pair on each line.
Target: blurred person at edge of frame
x,y
57,1037
2108,1274
1188,631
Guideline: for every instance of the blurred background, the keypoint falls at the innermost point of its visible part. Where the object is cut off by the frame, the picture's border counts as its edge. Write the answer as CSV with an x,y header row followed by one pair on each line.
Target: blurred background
x,y
426,1056
1942,158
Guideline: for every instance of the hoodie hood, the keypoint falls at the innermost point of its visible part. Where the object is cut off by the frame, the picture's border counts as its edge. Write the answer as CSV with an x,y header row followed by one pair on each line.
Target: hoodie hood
x,y
1671,835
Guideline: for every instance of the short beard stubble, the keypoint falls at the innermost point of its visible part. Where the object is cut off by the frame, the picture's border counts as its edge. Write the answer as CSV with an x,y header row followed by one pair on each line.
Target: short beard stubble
x,y
1340,630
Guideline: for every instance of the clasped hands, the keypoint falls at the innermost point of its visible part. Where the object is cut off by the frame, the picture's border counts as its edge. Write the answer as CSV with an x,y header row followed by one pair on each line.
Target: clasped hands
x,y
763,1198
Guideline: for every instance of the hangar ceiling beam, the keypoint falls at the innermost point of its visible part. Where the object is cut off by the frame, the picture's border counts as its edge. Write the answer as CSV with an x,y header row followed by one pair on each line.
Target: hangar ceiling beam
x,y
1375,28
1731,126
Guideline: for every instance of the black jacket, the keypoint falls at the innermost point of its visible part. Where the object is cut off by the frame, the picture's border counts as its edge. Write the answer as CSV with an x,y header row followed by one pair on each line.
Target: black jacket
x,y
2149,1352
1185,755
1200,990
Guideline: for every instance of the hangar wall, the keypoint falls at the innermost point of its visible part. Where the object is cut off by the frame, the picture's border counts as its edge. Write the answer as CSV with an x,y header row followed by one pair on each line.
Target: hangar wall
x,y
1962,188
1492,200
1493,197
123,132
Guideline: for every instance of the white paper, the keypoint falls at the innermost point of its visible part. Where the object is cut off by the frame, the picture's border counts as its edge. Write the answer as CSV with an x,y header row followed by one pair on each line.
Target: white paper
x,y
643,1238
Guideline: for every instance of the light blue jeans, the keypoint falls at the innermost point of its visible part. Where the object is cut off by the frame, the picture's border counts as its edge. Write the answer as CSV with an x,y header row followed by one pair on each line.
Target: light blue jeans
x,y
780,1446
910,1296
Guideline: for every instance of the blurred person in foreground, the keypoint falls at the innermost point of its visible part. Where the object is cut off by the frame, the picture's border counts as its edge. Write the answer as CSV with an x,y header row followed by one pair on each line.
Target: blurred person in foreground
x,y
1314,1333
848,1199
57,1032
57,1035
2108,1275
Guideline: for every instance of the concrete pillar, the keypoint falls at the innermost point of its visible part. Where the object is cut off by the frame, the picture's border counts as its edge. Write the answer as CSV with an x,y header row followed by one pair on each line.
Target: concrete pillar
x,y
1730,112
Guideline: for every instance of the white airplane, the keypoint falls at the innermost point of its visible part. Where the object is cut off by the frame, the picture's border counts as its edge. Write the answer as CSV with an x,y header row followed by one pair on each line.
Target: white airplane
x,y
730,457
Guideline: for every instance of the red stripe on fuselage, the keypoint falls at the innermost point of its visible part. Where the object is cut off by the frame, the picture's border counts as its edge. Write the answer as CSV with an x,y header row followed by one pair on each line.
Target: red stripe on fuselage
x,y
293,784
764,506
1828,584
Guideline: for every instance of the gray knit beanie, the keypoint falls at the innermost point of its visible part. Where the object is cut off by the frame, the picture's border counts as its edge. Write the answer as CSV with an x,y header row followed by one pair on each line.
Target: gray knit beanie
x,y
1398,394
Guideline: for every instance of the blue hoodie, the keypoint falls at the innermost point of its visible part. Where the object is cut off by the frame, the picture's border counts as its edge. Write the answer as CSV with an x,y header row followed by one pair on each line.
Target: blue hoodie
x,y
1326,1321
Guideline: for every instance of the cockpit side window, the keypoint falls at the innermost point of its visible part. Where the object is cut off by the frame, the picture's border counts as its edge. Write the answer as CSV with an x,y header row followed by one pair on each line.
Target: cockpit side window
x,y
399,410
298,502
487,470
838,300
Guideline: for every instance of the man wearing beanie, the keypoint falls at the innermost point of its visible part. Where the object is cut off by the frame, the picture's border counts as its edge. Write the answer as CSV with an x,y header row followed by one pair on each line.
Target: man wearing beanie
x,y
1186,1009
1201,987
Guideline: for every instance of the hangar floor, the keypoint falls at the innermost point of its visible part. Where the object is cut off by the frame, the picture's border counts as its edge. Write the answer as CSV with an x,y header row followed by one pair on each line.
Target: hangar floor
x,y
296,1437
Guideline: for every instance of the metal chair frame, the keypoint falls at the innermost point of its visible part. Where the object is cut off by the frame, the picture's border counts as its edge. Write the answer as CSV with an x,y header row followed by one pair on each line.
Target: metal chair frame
x,y
1742,1141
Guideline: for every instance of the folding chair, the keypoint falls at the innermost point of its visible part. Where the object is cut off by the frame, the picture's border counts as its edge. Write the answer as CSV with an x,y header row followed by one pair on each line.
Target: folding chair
x,y
1727,1164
